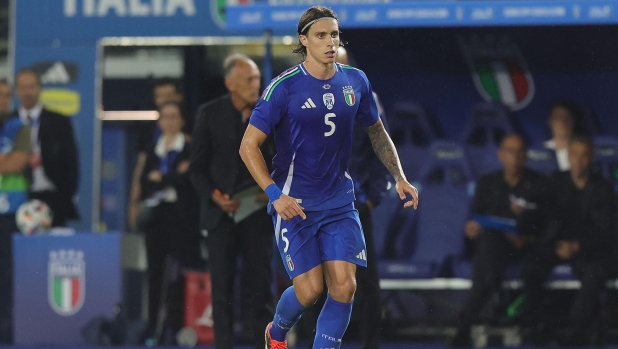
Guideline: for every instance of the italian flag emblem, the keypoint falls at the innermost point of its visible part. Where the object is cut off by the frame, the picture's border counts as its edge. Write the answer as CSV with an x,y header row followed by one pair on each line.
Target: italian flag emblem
x,y
499,71
66,292
348,94
66,281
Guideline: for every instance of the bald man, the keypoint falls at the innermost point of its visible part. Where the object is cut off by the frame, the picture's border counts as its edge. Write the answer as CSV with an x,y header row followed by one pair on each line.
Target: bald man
x,y
233,208
514,193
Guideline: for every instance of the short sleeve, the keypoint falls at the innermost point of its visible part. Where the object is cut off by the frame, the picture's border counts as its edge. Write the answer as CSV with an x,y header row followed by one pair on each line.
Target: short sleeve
x,y
269,109
368,112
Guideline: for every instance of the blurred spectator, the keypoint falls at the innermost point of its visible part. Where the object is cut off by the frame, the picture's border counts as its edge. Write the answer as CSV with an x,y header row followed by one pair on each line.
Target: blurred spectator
x,y
168,217
164,90
5,97
515,193
564,122
233,207
370,183
14,155
579,233
53,166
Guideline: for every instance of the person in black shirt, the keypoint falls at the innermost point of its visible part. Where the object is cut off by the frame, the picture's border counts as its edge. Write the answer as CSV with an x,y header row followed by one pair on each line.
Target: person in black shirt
x,y
164,90
233,208
514,193
169,215
579,233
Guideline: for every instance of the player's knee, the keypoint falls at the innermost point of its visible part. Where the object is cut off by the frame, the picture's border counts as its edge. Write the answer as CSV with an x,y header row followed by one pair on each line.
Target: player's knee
x,y
343,291
309,293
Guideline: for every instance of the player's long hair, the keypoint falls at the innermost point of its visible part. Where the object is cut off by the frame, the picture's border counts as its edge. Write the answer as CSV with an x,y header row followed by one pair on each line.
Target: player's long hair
x,y
312,13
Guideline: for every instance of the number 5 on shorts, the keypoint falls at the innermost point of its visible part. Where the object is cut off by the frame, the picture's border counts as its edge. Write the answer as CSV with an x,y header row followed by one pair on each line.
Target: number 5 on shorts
x,y
287,242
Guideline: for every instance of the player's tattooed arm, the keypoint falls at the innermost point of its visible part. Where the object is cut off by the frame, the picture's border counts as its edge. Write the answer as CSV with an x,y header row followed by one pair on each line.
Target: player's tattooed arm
x,y
385,149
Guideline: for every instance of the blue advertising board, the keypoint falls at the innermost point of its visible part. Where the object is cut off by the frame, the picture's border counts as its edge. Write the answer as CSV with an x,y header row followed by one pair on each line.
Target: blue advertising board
x,y
63,282
432,14
70,21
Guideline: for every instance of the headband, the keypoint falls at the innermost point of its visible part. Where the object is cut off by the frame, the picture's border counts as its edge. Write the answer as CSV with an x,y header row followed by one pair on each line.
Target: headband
x,y
315,20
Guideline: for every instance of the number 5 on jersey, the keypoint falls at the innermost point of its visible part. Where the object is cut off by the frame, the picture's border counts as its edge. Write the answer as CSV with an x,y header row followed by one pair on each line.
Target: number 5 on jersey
x,y
284,239
329,123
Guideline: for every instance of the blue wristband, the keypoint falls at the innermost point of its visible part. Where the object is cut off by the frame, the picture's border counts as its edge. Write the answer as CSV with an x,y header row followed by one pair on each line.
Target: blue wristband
x,y
273,192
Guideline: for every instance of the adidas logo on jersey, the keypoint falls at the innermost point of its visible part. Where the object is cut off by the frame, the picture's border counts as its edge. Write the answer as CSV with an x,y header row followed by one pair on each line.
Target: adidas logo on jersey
x,y
308,104
362,255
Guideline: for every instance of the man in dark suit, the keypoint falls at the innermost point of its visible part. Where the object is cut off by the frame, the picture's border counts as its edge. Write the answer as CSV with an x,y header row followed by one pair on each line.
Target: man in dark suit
x,y
579,233
53,165
233,208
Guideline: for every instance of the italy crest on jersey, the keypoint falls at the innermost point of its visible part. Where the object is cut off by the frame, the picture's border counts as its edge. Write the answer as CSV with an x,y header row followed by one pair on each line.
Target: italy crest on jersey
x,y
348,94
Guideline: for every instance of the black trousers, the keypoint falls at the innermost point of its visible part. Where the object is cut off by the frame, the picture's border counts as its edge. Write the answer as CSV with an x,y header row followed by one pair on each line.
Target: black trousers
x,y
366,309
7,229
585,308
252,239
492,255
167,234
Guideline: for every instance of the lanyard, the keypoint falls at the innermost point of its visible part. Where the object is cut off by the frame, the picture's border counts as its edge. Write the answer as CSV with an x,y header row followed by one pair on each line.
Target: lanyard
x,y
165,162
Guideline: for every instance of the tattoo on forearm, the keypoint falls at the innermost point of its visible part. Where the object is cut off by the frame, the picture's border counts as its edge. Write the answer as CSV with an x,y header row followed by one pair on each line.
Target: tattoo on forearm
x,y
385,149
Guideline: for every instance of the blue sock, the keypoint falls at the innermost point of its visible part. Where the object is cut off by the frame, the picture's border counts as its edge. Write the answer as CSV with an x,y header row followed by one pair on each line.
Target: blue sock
x,y
332,323
289,311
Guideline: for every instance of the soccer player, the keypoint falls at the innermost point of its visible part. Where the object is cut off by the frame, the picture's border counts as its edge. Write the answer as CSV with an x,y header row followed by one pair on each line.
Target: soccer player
x,y
311,108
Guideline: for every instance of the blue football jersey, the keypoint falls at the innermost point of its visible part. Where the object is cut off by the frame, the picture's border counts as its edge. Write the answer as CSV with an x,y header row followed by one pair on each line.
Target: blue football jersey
x,y
312,121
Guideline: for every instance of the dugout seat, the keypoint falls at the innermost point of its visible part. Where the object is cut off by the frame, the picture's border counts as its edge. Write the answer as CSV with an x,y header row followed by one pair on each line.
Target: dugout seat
x,y
385,225
434,233
487,125
412,133
542,160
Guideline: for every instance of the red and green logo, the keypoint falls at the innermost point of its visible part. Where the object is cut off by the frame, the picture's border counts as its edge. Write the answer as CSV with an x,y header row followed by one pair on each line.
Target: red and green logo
x,y
499,70
66,281
348,94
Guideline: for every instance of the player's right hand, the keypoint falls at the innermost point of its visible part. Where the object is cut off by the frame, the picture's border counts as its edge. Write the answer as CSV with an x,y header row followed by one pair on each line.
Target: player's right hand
x,y
288,208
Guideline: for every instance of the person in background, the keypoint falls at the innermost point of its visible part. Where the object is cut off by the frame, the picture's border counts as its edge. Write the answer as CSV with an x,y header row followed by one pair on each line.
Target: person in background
x,y
53,167
164,90
515,193
233,207
579,233
6,94
14,156
564,123
169,219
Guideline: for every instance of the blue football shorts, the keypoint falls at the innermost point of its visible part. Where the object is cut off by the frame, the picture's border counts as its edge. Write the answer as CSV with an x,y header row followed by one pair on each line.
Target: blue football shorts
x,y
332,235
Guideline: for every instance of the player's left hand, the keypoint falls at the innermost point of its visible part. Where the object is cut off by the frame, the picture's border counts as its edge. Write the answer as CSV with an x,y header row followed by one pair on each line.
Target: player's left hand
x,y
403,188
